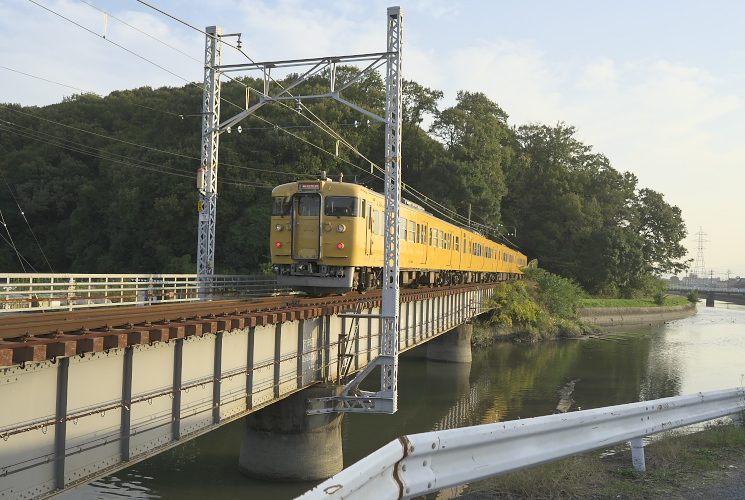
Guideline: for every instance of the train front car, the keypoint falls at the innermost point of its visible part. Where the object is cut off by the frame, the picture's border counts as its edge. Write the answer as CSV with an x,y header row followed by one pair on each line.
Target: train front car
x,y
318,235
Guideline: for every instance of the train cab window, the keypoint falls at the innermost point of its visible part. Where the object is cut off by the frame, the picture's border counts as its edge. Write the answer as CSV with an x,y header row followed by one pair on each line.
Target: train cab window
x,y
281,205
412,230
342,206
376,221
309,206
457,243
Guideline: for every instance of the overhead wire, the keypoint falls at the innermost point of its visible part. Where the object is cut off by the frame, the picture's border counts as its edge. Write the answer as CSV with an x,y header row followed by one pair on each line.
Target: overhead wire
x,y
170,72
318,122
11,242
27,222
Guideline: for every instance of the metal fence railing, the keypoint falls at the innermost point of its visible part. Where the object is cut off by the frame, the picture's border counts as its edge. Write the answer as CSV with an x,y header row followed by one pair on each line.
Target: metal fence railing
x,y
420,464
21,292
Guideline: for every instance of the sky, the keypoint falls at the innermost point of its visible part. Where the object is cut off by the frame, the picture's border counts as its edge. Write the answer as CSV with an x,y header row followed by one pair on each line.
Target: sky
x,y
658,86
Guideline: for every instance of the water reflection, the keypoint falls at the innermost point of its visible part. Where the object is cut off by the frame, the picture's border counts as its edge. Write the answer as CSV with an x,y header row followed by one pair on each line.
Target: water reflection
x,y
504,382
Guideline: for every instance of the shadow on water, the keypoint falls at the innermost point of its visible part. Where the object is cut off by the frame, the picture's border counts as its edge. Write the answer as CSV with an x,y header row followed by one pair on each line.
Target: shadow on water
x,y
504,382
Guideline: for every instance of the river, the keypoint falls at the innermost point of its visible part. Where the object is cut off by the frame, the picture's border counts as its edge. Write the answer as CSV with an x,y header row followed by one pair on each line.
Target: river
x,y
704,352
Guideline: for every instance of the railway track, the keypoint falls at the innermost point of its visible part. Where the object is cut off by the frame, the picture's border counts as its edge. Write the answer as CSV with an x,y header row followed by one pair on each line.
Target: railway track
x,y
46,336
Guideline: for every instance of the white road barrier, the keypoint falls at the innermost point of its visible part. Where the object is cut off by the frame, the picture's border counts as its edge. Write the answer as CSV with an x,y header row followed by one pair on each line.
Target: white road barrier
x,y
424,463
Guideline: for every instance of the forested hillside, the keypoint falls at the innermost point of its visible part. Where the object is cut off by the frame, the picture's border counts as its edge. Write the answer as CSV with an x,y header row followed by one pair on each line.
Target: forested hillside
x,y
108,184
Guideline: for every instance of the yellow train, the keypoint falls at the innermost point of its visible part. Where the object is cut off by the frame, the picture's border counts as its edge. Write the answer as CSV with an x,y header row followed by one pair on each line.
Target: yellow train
x,y
327,237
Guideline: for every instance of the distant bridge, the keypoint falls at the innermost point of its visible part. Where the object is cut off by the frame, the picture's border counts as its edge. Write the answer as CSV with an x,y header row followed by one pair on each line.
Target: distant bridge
x,y
707,291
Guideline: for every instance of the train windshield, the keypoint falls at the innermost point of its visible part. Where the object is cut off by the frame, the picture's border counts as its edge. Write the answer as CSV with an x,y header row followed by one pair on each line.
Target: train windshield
x,y
281,205
309,205
342,206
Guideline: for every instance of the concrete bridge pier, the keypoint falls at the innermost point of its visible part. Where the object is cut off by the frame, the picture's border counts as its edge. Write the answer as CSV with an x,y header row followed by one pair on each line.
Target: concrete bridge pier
x,y
453,346
710,299
282,443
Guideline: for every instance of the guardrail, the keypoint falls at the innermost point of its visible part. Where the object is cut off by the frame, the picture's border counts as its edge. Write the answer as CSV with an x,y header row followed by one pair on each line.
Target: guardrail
x,y
419,464
44,292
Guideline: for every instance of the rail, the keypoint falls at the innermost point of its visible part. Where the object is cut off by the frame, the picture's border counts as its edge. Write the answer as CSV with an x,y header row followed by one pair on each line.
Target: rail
x,y
21,292
419,464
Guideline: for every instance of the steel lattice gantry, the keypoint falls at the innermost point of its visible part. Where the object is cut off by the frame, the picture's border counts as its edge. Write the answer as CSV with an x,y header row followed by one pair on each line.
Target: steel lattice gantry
x,y
383,401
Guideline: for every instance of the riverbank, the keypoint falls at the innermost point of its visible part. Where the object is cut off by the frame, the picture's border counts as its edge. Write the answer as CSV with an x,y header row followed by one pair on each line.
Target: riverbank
x,y
628,316
702,465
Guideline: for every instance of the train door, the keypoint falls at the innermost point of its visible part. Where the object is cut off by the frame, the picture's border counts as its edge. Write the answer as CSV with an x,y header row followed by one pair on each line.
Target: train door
x,y
306,237
425,245
368,230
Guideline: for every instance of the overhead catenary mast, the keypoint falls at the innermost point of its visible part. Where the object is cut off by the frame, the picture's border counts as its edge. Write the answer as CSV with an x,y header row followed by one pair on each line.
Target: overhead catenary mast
x,y
207,174
351,399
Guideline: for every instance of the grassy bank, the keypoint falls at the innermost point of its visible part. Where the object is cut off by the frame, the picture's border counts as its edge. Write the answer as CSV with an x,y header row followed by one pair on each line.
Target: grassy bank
x,y
646,302
677,464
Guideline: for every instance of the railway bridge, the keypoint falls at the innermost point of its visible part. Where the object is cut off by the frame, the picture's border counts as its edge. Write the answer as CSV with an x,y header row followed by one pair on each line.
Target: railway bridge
x,y
87,392
709,292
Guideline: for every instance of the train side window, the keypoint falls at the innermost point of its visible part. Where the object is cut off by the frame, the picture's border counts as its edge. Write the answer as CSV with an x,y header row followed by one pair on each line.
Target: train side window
x,y
457,243
442,239
376,222
402,228
436,242
412,230
418,233
362,210
430,236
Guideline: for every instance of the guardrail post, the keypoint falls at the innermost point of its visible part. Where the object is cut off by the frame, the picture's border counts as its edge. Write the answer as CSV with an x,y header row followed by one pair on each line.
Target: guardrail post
x,y
737,417
637,454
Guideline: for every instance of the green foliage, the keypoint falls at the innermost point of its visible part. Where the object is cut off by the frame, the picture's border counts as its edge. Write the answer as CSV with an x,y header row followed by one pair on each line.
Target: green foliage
x,y
693,296
107,183
584,219
558,296
642,302
512,303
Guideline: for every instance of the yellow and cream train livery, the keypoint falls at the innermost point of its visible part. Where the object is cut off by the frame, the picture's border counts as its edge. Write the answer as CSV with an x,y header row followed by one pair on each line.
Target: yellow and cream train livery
x,y
327,237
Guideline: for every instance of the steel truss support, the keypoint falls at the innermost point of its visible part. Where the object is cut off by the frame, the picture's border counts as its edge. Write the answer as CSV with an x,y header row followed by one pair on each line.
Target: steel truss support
x,y
351,399
207,180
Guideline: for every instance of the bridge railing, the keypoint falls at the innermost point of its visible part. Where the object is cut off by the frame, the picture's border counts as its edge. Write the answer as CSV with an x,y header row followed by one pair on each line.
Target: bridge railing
x,y
20,292
704,288
419,464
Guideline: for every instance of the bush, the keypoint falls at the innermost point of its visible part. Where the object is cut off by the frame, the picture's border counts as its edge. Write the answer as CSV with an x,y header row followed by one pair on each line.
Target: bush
x,y
659,298
512,303
692,296
558,296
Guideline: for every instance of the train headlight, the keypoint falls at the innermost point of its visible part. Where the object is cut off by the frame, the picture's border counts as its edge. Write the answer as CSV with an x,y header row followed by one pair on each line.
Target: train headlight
x,y
340,246
341,228
279,227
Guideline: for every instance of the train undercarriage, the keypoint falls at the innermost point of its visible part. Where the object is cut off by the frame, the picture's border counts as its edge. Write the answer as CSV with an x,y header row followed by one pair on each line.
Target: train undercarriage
x,y
318,279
